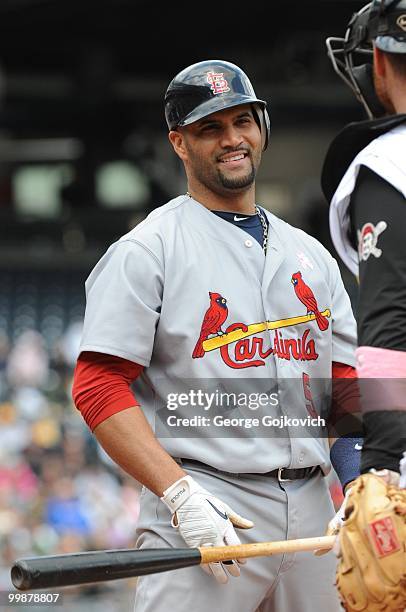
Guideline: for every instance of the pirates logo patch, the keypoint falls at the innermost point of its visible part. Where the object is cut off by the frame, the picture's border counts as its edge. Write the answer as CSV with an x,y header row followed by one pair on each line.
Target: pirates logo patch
x,y
368,238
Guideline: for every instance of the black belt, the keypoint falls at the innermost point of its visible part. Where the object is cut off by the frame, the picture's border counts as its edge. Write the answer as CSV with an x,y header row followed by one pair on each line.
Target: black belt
x,y
282,474
286,474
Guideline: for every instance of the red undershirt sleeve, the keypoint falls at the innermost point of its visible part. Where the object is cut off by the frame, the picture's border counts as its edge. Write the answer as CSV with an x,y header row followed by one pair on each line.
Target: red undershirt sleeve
x,y
342,370
345,411
101,386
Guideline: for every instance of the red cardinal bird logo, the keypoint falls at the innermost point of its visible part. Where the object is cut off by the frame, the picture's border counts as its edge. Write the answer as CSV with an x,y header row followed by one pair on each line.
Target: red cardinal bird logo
x,y
214,318
306,296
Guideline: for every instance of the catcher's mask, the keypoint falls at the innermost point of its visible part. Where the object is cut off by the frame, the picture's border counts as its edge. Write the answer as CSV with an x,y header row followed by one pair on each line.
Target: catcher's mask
x,y
208,87
382,23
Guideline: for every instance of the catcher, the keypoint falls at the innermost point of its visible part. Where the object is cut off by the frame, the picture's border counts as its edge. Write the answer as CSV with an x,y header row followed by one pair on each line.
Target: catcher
x,y
364,179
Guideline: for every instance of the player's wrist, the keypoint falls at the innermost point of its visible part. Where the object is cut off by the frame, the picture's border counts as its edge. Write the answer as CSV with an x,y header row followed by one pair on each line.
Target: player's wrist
x,y
345,458
176,495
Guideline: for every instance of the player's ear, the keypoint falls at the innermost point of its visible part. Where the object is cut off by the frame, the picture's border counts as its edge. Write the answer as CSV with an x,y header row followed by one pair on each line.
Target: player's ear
x,y
177,141
380,62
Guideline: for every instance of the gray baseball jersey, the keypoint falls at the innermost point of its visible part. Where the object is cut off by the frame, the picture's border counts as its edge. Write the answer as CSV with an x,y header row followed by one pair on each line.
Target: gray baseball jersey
x,y
192,298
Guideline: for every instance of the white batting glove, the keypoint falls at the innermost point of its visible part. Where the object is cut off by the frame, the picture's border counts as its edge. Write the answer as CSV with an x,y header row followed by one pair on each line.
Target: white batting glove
x,y
335,524
205,520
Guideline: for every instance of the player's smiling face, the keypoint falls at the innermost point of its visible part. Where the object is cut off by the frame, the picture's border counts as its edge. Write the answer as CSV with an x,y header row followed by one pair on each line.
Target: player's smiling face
x,y
223,150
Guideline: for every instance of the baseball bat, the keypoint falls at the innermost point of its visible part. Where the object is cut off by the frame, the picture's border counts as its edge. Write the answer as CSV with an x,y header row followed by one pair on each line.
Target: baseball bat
x,y
103,565
257,328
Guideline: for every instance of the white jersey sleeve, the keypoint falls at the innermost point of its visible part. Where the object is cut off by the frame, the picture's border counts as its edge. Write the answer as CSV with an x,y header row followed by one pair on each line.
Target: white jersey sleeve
x,y
385,156
123,302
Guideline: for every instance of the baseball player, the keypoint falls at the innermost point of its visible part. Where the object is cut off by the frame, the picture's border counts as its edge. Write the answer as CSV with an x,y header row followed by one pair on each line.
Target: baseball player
x,y
211,294
364,179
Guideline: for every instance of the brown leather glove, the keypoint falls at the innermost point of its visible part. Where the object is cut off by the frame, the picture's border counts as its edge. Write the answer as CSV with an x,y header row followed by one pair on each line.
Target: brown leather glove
x,y
371,573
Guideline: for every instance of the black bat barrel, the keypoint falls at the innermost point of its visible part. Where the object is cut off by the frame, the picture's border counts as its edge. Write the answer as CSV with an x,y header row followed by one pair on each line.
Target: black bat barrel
x,y
98,566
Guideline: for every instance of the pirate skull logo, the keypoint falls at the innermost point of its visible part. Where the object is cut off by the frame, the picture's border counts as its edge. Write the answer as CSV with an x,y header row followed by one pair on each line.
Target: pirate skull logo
x,y
368,238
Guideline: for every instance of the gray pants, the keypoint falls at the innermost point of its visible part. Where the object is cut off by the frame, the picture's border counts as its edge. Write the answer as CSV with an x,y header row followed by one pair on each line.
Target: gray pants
x,y
297,582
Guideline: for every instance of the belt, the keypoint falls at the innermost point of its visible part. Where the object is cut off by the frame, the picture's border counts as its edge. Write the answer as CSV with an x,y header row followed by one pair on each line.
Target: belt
x,y
282,474
288,474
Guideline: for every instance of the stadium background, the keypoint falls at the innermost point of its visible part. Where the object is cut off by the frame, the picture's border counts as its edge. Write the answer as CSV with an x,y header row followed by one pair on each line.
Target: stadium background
x,y
83,158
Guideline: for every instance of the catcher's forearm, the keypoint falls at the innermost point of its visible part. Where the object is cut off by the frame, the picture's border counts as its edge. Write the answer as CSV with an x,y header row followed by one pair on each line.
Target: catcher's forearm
x,y
384,440
129,440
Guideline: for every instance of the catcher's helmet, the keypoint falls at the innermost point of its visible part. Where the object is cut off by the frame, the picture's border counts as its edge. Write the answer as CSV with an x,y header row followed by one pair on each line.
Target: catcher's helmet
x,y
208,87
387,25
380,22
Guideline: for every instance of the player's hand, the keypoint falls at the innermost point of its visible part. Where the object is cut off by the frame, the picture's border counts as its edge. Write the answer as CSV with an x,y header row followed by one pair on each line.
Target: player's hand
x,y
402,466
205,520
335,524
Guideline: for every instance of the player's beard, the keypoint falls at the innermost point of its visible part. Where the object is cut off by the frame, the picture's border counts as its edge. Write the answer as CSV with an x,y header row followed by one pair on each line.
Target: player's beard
x,y
220,182
241,182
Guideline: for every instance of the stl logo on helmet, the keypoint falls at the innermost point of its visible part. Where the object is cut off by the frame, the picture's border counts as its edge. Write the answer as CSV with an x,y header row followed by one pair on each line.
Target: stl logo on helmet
x,y
218,83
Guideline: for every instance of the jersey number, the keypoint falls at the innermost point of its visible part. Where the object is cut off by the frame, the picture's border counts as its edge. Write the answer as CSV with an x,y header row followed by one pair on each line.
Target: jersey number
x,y
308,395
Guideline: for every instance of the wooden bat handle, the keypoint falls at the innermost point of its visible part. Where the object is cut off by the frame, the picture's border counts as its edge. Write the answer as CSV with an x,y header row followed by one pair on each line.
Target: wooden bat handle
x,y
211,554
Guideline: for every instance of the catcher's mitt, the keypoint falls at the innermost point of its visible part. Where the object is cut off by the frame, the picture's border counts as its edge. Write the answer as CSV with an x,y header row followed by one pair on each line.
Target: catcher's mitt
x,y
371,574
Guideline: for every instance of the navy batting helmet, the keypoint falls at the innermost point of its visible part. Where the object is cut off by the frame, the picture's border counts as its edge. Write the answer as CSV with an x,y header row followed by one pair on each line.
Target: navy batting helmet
x,y
208,87
382,23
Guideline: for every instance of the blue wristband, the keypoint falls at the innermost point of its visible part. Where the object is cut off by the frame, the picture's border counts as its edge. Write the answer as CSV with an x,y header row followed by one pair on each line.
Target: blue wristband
x,y
345,455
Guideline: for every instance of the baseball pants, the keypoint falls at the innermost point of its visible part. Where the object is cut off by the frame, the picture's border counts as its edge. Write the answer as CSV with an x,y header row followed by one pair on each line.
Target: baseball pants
x,y
298,582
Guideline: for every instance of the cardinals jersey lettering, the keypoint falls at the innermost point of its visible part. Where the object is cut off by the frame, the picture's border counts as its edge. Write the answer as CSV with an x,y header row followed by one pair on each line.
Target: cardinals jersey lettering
x,y
191,296
385,156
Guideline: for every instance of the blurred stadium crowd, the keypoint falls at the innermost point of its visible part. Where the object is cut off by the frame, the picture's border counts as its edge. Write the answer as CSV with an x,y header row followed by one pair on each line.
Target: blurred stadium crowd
x,y
59,492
